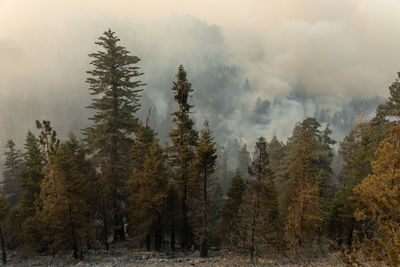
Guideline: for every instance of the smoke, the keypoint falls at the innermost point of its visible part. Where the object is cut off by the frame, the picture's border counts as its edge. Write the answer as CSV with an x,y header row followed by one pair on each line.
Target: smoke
x,y
257,67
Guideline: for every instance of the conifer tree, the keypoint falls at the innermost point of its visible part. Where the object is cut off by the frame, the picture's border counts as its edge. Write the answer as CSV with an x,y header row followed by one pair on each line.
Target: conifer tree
x,y
204,166
255,229
31,176
148,190
304,211
13,165
116,100
231,205
377,204
357,150
181,151
63,209
390,110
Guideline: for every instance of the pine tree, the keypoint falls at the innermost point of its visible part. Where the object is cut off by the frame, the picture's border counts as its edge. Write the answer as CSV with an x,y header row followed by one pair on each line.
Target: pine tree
x,y
304,211
148,192
204,166
31,177
357,150
231,205
117,100
181,151
390,110
377,204
12,167
256,229
64,206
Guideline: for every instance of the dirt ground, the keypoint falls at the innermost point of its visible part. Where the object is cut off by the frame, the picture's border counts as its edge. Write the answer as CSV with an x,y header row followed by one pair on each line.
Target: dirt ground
x,y
123,255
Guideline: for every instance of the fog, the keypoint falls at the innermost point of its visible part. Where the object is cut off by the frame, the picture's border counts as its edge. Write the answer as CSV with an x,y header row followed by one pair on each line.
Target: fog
x,y
257,67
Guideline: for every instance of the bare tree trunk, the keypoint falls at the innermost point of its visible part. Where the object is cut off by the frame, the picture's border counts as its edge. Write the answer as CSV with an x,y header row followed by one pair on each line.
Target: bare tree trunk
x,y
74,241
3,248
173,231
185,226
148,241
105,225
204,243
158,234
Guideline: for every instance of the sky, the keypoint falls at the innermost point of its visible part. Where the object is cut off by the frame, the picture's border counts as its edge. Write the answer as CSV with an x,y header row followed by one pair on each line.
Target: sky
x,y
257,67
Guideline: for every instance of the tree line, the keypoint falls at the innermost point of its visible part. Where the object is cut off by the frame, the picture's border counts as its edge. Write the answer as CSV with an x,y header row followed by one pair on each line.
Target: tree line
x,y
118,182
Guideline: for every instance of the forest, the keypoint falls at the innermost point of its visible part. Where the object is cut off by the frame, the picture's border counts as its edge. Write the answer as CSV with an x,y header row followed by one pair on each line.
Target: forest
x,y
114,181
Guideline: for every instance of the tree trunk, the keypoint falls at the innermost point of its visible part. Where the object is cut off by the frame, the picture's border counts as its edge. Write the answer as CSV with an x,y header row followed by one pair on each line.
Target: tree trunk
x,y
3,248
73,235
185,226
148,242
173,232
204,243
158,234
105,226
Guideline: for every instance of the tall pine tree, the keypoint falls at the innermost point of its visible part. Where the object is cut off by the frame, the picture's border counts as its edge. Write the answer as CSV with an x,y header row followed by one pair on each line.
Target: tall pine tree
x,y
255,229
112,83
304,211
204,166
181,151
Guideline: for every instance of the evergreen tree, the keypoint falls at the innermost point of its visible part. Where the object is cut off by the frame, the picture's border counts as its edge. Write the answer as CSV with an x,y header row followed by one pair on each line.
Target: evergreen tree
x,y
12,167
63,209
357,150
116,102
255,229
377,205
231,205
31,177
390,110
304,210
204,166
148,191
321,159
181,151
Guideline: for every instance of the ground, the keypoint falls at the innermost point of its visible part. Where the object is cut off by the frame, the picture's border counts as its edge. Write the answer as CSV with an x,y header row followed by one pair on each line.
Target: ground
x,y
123,255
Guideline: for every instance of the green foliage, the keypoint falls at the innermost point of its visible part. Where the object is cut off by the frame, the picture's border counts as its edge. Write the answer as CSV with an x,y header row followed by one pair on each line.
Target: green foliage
x,y
116,100
181,151
231,205
357,150
31,177
377,204
12,167
304,210
390,110
63,208
148,190
204,167
256,227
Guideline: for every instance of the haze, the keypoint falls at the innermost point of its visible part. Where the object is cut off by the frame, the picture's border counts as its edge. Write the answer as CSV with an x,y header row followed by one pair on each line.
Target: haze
x,y
257,67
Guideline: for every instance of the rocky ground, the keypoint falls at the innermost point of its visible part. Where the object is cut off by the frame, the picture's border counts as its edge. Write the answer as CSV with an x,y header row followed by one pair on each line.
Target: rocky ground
x,y
123,255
